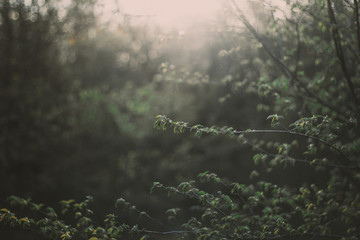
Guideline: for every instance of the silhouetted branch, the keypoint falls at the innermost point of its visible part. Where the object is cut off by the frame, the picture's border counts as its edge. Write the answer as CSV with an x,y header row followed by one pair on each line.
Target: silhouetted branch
x,y
340,54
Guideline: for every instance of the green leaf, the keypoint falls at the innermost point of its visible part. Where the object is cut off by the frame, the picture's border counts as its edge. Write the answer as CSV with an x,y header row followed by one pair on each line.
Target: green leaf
x,y
119,202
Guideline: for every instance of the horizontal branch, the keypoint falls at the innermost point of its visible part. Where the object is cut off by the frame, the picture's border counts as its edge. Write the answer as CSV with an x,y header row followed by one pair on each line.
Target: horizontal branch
x,y
166,233
300,160
286,236
163,122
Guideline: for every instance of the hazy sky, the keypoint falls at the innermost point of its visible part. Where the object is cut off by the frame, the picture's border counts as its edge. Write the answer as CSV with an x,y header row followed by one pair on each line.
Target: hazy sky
x,y
171,13
167,13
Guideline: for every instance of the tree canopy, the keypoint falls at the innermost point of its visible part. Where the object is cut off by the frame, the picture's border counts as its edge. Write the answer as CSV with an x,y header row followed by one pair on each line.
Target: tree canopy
x,y
256,130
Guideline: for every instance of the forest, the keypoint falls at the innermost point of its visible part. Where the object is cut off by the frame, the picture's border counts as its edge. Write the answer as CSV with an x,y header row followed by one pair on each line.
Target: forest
x,y
246,126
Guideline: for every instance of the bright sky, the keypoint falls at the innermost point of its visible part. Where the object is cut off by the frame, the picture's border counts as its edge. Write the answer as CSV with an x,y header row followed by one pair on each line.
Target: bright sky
x,y
167,13
170,13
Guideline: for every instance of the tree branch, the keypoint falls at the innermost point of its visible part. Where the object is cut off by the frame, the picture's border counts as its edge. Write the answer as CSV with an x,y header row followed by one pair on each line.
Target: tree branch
x,y
298,159
302,135
340,54
282,65
356,4
178,126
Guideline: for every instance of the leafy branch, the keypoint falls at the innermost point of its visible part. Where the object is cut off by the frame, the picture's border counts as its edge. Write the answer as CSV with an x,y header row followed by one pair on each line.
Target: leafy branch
x,y
162,122
293,76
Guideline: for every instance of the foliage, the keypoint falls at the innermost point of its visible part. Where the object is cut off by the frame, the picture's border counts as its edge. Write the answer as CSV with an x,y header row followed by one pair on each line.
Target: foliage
x,y
305,69
53,225
316,210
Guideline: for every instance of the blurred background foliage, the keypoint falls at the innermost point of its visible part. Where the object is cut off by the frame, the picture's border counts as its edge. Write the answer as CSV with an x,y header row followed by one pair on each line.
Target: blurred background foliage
x,y
78,99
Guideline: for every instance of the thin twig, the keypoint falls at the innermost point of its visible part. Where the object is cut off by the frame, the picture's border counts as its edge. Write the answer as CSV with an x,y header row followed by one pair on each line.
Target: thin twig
x,y
267,131
166,233
331,146
298,159
247,238
152,219
356,10
210,204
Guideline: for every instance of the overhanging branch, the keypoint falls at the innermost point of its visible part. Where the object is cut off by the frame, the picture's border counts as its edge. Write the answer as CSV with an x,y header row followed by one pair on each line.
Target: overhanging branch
x,y
162,122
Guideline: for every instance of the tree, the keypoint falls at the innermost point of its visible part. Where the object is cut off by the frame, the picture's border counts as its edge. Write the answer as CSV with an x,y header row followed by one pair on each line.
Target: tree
x,y
307,73
322,92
